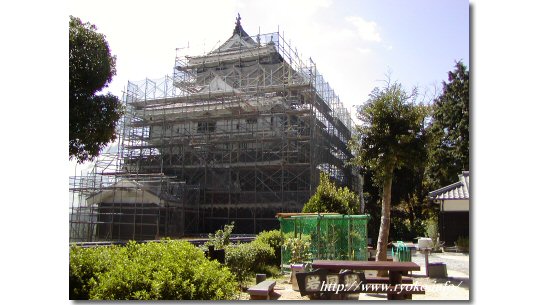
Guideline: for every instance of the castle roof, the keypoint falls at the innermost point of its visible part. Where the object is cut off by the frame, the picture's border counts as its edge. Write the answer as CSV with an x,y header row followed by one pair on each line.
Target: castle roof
x,y
239,39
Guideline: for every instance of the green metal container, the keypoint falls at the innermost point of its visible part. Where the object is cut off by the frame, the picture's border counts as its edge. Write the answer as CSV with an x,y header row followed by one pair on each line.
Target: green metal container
x,y
401,252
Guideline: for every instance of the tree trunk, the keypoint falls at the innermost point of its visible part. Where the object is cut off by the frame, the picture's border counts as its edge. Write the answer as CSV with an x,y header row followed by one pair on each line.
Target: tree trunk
x,y
361,195
384,227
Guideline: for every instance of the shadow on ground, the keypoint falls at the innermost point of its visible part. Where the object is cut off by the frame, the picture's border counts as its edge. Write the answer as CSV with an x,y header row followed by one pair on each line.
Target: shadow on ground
x,y
275,296
462,282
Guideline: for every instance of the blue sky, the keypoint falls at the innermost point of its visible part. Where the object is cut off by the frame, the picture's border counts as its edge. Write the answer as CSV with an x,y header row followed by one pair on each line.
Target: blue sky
x,y
354,43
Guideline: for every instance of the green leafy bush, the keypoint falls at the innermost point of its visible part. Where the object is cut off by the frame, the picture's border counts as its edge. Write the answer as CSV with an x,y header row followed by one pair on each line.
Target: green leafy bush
x,y
299,249
221,238
269,270
85,264
462,243
264,253
169,270
240,259
432,231
247,258
431,228
275,240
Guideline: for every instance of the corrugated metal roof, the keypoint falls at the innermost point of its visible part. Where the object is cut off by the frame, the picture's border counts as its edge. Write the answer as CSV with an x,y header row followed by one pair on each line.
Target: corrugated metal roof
x,y
455,191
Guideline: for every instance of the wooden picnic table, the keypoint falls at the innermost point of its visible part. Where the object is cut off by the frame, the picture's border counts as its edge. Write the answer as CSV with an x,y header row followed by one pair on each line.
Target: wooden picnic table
x,y
395,269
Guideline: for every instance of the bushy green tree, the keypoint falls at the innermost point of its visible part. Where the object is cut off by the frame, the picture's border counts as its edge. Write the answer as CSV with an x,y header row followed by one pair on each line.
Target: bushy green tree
x,y
390,135
449,132
92,117
332,199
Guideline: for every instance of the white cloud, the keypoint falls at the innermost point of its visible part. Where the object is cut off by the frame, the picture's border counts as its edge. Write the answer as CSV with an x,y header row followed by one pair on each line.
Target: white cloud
x,y
367,30
148,48
364,50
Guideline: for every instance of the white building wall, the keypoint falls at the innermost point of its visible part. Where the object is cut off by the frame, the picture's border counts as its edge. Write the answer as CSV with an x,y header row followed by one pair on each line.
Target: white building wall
x,y
455,205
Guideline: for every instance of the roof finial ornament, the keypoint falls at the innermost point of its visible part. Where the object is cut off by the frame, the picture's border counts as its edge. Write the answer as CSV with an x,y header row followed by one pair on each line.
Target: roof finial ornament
x,y
237,29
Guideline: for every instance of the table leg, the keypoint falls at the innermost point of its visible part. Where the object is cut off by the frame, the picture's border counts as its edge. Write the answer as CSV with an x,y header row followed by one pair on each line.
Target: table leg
x,y
395,278
426,253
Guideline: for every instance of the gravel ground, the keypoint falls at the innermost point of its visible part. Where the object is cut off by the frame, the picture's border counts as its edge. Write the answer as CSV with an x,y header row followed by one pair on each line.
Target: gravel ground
x,y
456,262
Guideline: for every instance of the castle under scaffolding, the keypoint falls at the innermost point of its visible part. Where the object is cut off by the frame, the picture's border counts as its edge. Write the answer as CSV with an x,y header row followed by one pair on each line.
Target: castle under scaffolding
x,y
238,134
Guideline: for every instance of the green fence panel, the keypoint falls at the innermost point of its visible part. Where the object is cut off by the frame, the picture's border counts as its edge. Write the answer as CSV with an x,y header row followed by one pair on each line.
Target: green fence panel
x,y
343,237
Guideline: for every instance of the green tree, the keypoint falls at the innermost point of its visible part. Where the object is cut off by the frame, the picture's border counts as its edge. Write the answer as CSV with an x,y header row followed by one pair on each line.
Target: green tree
x,y
391,135
92,118
449,132
332,199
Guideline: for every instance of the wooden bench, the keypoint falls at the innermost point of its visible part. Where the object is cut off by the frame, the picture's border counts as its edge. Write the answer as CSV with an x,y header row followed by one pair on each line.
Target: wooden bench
x,y
262,291
385,280
322,284
396,271
403,290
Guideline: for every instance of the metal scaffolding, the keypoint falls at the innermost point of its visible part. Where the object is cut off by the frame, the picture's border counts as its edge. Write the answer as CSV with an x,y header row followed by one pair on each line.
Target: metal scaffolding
x,y
237,134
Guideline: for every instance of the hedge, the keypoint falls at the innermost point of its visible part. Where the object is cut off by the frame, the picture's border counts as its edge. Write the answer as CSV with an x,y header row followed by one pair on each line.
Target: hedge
x,y
246,258
167,270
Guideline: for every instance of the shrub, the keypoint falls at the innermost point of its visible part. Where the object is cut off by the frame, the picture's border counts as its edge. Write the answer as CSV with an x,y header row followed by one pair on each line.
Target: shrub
x,y
432,231
263,254
299,249
275,240
462,243
244,259
269,270
221,238
169,270
431,228
240,259
85,264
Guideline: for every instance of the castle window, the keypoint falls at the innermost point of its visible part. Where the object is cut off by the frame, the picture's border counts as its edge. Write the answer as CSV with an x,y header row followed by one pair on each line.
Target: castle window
x,y
204,127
